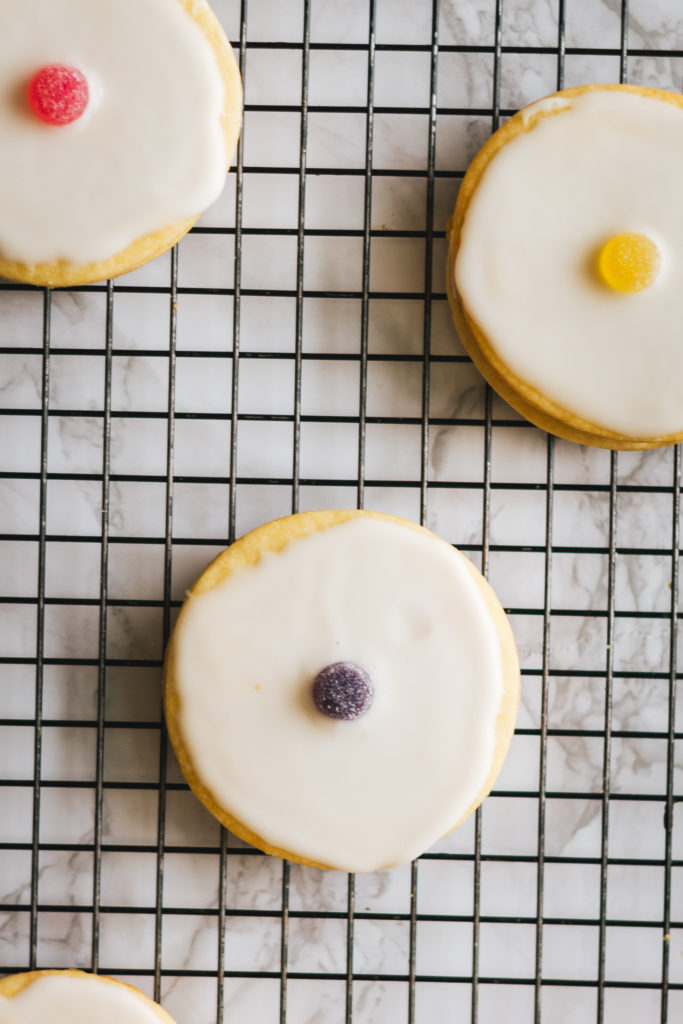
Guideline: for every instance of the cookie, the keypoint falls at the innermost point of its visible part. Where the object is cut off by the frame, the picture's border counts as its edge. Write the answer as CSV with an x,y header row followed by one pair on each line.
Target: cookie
x,y
118,120
565,255
65,997
341,689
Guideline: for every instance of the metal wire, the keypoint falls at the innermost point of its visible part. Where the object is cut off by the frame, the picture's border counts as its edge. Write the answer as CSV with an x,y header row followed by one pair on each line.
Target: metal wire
x,y
489,420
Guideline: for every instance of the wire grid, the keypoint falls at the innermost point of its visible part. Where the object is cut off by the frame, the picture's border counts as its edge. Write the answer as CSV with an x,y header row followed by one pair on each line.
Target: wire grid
x,y
427,995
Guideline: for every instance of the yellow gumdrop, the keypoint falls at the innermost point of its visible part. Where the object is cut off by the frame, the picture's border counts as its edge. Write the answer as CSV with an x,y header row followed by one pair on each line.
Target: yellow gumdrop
x,y
629,262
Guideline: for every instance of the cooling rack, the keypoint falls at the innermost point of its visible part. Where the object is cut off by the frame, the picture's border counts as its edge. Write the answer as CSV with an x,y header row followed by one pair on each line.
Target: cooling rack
x,y
296,351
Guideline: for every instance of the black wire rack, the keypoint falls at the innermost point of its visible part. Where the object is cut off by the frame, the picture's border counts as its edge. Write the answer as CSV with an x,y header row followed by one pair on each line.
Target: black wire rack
x,y
561,900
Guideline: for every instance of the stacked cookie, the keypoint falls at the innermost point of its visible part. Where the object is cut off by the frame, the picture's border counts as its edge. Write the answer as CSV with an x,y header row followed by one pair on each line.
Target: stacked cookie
x,y
565,253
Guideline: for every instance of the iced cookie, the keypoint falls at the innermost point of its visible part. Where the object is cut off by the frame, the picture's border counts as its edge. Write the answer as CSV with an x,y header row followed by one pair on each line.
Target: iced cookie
x,y
341,689
73,997
118,119
565,262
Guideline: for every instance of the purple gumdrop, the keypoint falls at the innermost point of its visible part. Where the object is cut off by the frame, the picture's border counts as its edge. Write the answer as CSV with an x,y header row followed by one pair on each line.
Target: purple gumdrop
x,y
343,691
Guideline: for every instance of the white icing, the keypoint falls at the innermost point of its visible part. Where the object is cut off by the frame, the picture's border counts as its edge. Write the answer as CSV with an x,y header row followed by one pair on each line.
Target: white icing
x,y
608,162
358,795
548,105
149,150
75,999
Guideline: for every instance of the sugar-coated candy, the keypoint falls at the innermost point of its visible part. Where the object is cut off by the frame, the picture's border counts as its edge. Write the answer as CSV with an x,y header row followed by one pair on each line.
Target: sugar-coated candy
x,y
58,94
629,262
343,690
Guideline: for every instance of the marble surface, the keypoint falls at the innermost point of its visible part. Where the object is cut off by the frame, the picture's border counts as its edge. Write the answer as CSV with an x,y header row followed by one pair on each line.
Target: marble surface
x,y
641,647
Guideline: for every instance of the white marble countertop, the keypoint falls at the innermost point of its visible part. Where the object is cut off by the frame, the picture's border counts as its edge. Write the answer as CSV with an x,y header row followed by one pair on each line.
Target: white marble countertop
x,y
67,637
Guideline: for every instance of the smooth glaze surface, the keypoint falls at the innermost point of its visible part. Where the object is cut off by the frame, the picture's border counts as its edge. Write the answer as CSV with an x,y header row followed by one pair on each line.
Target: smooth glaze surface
x,y
76,999
604,163
85,191
359,795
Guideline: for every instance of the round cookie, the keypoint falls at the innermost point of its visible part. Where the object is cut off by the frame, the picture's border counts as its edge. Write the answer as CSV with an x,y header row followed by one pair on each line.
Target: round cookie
x,y
565,253
118,121
74,997
341,689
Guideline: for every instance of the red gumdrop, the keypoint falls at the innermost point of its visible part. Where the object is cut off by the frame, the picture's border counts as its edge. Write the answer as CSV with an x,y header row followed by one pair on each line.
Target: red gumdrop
x,y
58,94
